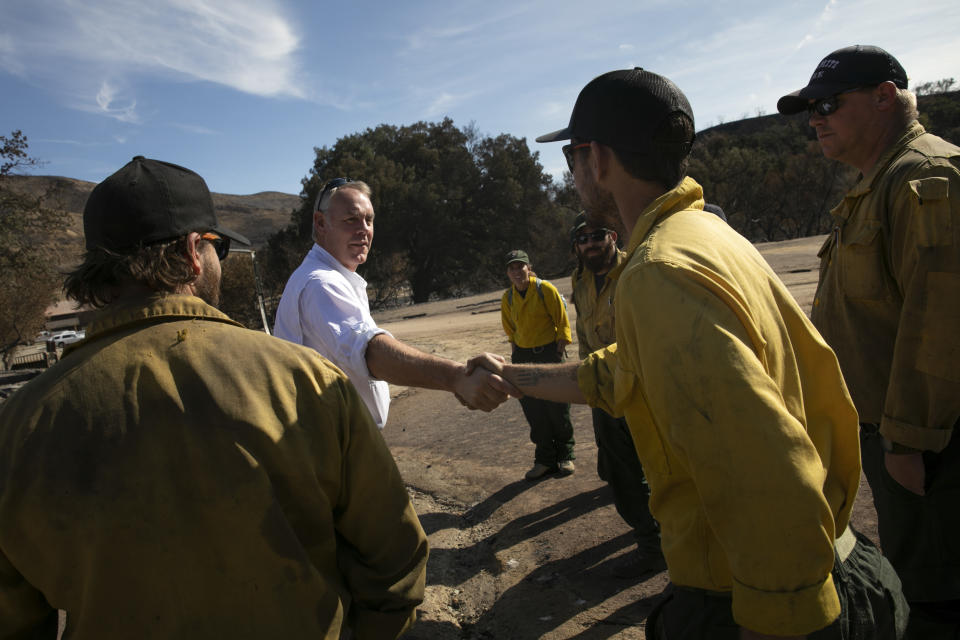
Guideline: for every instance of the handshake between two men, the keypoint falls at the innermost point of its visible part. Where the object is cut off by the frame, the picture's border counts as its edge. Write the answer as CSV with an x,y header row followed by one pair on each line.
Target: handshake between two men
x,y
553,382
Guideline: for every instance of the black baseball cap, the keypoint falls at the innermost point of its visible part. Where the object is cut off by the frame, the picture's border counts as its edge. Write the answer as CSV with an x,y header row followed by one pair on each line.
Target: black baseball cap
x,y
149,201
861,65
623,109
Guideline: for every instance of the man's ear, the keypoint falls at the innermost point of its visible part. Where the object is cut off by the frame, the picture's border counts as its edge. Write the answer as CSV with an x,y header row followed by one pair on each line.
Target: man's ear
x,y
193,251
613,234
319,224
885,96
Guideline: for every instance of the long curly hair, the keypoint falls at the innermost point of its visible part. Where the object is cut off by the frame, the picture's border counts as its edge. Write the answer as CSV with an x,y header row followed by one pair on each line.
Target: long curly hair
x,y
162,266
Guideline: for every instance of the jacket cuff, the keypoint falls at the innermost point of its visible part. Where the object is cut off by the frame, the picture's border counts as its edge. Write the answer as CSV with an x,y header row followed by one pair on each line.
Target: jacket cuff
x,y
786,613
587,380
914,437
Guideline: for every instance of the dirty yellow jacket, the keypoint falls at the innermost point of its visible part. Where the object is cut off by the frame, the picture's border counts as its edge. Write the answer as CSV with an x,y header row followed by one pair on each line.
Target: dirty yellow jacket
x,y
595,318
739,414
888,301
179,476
530,321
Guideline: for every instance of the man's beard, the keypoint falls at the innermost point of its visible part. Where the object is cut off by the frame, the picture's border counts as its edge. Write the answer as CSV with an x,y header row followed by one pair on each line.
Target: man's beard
x,y
600,261
207,286
601,208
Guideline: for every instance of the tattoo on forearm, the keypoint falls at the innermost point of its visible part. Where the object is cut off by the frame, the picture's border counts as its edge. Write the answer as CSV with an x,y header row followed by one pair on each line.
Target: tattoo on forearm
x,y
533,375
528,377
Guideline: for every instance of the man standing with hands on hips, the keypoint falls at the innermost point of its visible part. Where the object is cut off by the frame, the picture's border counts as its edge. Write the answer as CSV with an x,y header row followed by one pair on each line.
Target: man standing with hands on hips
x,y
888,302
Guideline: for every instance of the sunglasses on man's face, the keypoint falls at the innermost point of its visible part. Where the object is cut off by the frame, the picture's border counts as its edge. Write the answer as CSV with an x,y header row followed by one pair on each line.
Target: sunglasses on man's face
x,y
591,236
568,150
220,244
829,105
336,183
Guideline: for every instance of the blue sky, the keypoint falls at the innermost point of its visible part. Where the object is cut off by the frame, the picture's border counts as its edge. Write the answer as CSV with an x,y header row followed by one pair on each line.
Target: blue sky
x,y
242,90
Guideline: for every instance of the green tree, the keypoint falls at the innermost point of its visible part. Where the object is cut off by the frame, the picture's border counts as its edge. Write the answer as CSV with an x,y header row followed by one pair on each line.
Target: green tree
x,y
30,281
770,177
449,203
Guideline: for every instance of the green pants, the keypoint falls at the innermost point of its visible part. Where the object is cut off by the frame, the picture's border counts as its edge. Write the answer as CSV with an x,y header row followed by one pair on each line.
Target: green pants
x,y
619,466
921,534
871,601
550,428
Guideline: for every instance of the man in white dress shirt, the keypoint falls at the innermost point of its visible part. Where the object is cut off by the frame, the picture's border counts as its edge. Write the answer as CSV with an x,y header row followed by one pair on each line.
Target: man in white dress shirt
x,y
325,306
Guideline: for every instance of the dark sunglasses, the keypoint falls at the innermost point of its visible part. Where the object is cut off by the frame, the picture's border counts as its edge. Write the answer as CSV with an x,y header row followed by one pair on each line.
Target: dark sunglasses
x,y
568,150
220,244
829,105
591,236
336,183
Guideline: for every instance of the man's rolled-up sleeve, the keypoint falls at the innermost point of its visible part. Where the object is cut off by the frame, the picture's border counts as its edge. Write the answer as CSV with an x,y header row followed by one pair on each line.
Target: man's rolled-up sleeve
x,y
922,402
334,325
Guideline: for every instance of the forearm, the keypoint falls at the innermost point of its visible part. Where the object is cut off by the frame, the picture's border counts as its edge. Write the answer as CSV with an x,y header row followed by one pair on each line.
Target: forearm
x,y
397,363
556,382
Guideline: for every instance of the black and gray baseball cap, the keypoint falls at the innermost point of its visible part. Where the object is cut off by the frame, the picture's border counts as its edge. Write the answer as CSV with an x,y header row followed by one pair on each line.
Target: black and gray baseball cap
x,y
623,109
149,201
861,65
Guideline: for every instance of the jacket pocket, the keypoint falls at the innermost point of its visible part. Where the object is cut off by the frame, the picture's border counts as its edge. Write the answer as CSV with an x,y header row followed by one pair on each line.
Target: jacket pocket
x,y
932,222
861,264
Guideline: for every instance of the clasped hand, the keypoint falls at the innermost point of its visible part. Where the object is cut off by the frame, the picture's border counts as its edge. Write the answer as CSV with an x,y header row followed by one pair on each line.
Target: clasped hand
x,y
481,387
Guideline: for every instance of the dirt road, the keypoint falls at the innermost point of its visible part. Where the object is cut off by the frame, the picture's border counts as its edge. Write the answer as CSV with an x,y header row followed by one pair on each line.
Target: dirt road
x,y
513,559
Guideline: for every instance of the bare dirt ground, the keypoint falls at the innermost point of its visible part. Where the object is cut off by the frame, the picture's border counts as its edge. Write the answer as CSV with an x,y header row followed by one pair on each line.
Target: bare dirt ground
x,y
513,559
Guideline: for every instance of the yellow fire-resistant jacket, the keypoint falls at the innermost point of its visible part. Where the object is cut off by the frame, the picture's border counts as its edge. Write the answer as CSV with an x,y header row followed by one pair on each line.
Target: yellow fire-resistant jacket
x,y
596,326
739,414
888,301
178,476
530,321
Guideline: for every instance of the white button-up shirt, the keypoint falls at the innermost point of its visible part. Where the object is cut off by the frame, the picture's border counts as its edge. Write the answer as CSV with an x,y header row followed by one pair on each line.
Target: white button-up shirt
x,y
325,306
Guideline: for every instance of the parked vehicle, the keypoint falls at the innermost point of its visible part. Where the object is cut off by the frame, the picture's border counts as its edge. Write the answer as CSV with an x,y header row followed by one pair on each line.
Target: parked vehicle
x,y
62,338
43,336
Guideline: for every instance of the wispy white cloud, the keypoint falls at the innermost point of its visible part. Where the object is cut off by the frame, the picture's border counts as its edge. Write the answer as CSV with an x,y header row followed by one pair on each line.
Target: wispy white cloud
x,y
107,104
825,17
81,47
197,129
63,141
441,104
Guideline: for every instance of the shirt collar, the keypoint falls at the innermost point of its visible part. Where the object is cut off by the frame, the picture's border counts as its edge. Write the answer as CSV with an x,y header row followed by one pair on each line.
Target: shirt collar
x,y
686,195
151,309
865,184
322,255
